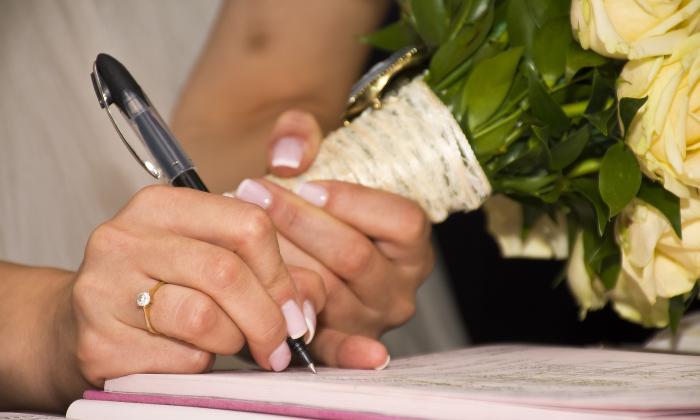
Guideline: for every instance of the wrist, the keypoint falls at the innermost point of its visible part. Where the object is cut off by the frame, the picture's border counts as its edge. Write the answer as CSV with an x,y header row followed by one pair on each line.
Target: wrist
x,y
33,338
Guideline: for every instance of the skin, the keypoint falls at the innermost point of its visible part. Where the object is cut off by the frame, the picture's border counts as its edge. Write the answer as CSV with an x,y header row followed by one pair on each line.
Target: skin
x,y
293,62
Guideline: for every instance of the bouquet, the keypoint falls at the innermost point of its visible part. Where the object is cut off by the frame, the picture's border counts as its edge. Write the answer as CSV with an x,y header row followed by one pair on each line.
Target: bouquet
x,y
575,123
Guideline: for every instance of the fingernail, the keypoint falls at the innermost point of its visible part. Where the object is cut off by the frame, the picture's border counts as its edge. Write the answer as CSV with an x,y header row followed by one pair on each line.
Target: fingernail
x,y
313,193
296,324
287,152
310,317
280,358
254,192
384,365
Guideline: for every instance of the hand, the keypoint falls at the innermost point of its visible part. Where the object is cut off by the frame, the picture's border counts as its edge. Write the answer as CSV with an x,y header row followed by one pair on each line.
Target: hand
x,y
226,285
371,248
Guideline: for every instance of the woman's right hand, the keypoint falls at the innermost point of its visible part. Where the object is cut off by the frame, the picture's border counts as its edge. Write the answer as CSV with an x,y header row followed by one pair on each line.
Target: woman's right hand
x,y
226,286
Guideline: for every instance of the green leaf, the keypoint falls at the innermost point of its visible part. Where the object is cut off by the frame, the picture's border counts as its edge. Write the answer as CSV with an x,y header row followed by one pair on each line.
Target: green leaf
x,y
543,106
602,90
431,20
610,271
668,204
676,309
603,120
452,53
525,184
628,109
602,255
488,85
619,178
549,49
577,58
569,149
522,23
392,37
588,188
491,142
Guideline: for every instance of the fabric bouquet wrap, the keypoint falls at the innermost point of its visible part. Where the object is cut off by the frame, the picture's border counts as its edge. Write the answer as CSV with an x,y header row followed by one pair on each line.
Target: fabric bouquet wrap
x,y
575,124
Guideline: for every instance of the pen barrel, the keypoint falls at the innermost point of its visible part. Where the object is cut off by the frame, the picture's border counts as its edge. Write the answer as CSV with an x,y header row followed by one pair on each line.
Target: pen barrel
x,y
172,162
189,179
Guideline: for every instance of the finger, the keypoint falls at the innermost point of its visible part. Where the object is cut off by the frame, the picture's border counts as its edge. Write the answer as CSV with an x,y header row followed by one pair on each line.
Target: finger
x,y
399,225
311,286
146,353
224,277
188,315
240,227
337,349
341,248
295,140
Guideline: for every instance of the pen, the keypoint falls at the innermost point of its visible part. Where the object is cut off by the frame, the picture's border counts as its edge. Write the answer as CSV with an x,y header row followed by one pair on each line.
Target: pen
x,y
114,85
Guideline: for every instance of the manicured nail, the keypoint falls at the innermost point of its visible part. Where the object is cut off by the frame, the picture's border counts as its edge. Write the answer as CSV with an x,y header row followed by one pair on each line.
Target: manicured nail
x,y
229,194
296,324
310,317
287,152
280,358
313,193
254,192
384,365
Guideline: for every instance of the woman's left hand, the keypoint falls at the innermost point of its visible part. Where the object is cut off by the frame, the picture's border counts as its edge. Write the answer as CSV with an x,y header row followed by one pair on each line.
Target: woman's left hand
x,y
372,248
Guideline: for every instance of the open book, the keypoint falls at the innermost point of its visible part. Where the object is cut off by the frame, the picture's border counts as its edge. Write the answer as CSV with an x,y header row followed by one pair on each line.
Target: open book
x,y
505,381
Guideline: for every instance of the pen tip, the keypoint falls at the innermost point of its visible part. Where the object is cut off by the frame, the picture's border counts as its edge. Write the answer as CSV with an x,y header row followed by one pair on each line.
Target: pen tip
x,y
313,368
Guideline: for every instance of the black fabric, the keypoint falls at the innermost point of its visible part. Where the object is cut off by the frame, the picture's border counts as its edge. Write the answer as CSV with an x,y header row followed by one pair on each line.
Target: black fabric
x,y
515,299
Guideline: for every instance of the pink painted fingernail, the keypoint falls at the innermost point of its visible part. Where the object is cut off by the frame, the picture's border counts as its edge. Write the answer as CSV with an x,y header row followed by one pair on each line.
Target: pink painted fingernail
x,y
313,193
287,152
280,358
384,365
254,192
310,317
296,324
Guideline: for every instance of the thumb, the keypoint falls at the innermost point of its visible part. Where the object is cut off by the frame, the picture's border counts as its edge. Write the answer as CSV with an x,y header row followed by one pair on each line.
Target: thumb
x,y
294,143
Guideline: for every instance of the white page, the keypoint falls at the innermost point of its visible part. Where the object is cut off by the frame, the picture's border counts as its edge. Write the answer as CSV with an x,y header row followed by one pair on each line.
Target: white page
x,y
537,376
108,410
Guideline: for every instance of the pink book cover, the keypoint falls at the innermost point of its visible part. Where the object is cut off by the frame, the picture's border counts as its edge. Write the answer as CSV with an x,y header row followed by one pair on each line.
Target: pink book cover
x,y
236,405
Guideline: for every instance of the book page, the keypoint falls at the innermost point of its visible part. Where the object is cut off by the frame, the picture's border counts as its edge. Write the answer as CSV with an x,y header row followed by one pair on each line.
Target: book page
x,y
541,376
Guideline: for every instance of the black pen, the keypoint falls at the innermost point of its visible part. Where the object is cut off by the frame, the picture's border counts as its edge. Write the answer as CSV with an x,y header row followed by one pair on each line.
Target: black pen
x,y
114,85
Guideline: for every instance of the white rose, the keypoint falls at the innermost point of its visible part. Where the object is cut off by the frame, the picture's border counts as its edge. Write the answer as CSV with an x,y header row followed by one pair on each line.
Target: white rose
x,y
633,29
546,239
588,292
665,133
656,264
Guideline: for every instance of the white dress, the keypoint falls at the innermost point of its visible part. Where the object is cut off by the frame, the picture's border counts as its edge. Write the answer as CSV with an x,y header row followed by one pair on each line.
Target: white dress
x,y
63,170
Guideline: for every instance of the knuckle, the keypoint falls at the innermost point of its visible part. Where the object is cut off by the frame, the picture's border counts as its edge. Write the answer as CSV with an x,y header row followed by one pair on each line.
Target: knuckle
x,y
270,332
197,315
256,226
108,238
147,196
402,310
288,217
355,260
222,272
90,351
198,361
413,224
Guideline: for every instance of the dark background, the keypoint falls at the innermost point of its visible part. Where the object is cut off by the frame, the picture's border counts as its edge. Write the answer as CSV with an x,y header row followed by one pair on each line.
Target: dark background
x,y
515,299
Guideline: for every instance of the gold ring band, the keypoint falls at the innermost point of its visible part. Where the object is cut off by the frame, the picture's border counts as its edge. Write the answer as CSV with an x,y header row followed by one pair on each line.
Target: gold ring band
x,y
145,300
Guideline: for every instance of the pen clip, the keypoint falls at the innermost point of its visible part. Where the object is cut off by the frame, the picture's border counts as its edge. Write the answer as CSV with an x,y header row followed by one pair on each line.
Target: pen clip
x,y
105,100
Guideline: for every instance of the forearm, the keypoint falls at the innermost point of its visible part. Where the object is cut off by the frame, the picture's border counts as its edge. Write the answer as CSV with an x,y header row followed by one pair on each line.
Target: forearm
x,y
37,370
262,58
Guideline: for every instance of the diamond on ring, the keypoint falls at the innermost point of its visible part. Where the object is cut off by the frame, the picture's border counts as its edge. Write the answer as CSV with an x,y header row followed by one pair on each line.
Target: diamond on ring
x,y
143,299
